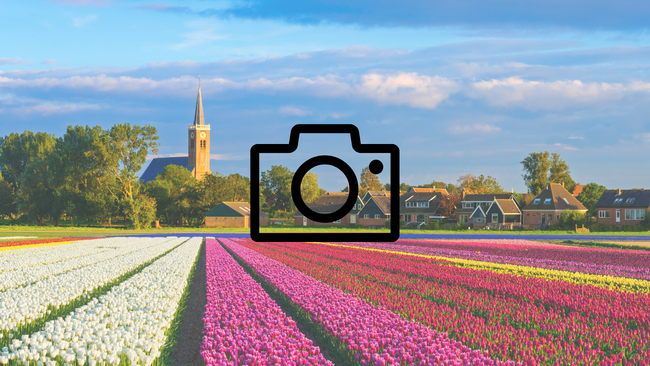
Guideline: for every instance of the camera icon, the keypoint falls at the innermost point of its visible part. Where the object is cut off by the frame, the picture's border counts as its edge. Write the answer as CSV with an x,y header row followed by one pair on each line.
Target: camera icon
x,y
375,167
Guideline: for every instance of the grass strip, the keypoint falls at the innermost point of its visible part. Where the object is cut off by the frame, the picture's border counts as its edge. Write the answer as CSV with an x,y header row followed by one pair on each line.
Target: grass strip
x,y
64,310
334,350
174,327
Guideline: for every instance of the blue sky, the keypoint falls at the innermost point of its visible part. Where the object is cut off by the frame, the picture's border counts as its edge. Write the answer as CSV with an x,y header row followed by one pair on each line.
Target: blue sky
x,y
462,86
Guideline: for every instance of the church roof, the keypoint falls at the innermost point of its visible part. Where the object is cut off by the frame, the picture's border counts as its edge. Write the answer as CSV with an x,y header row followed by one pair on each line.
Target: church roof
x,y
158,164
198,114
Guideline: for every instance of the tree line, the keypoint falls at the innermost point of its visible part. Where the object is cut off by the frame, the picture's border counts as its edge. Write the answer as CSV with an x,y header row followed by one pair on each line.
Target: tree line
x,y
88,175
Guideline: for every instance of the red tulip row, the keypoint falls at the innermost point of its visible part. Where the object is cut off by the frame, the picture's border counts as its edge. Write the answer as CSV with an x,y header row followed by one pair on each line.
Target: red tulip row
x,y
377,335
5,244
559,295
509,327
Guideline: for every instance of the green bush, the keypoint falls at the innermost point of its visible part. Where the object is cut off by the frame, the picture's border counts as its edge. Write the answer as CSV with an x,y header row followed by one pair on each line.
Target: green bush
x,y
433,225
569,219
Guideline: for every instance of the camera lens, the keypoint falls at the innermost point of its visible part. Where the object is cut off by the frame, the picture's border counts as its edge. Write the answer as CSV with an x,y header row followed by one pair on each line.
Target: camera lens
x,y
353,190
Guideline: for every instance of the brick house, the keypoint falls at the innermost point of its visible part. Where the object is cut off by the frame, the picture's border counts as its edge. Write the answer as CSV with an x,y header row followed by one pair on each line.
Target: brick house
x,y
623,207
419,208
546,207
473,207
328,203
232,214
375,212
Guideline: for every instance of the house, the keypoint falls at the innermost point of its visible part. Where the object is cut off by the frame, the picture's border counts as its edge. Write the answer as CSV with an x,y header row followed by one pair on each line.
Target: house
x,y
546,207
502,212
623,207
375,212
467,213
232,214
419,208
578,189
366,197
328,203
428,190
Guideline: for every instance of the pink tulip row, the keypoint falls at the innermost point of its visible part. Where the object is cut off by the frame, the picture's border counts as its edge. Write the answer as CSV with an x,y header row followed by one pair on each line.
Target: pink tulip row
x,y
507,326
549,259
243,325
379,336
515,243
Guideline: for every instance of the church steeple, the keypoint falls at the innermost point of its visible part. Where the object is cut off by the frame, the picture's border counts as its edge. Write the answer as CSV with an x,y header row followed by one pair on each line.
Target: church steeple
x,y
198,143
198,114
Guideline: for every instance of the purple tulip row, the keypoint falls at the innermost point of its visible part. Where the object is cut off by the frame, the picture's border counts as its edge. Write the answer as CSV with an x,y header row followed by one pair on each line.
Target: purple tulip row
x,y
243,325
467,252
377,335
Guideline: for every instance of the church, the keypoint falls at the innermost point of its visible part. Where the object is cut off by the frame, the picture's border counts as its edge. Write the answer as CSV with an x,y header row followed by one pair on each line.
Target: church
x,y
197,160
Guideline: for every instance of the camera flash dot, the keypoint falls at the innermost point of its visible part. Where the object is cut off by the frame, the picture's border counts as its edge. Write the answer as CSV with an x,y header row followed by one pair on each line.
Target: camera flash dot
x,y
376,167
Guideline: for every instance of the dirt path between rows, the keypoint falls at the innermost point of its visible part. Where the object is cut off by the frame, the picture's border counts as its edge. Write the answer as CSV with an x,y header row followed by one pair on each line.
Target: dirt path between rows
x,y
188,344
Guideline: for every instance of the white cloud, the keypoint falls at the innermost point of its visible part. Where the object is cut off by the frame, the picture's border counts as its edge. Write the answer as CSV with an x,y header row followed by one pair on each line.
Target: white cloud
x,y
576,138
554,95
565,147
292,111
411,89
50,109
476,128
81,22
14,61
50,62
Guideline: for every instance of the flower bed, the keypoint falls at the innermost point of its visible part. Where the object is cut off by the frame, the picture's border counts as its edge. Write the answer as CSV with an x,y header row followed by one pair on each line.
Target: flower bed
x,y
376,334
535,321
20,243
129,324
23,305
243,325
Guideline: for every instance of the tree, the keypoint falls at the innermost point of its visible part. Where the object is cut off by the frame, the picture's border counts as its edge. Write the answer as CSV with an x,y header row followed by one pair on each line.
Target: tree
x,y
309,189
37,196
569,219
451,188
174,191
480,184
7,199
559,173
239,187
121,152
536,167
448,203
540,169
590,195
215,189
277,188
369,180
17,151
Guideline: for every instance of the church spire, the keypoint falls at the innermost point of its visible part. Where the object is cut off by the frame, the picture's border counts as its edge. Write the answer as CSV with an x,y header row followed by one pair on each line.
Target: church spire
x,y
198,114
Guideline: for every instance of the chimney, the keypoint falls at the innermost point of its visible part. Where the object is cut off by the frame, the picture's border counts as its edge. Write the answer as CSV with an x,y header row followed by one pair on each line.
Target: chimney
x,y
562,184
619,192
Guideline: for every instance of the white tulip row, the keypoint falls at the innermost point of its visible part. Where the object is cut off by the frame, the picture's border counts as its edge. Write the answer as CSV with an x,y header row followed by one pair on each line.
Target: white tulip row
x,y
129,320
20,258
22,305
95,252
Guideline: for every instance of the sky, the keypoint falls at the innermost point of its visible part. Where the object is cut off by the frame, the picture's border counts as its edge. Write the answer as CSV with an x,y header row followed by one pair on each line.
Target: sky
x,y
461,86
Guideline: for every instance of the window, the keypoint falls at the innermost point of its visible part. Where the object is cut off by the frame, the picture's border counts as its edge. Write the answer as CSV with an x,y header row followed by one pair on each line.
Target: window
x,y
407,218
635,214
549,217
495,218
629,200
618,200
337,221
604,214
354,207
463,219
558,217
467,205
566,200
547,201
366,216
478,220
376,216
536,201
420,218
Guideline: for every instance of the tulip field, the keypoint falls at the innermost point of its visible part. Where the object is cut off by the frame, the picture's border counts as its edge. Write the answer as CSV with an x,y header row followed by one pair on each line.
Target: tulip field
x,y
119,301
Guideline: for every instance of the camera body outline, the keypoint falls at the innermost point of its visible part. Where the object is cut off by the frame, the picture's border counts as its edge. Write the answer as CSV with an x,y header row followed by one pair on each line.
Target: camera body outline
x,y
357,146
